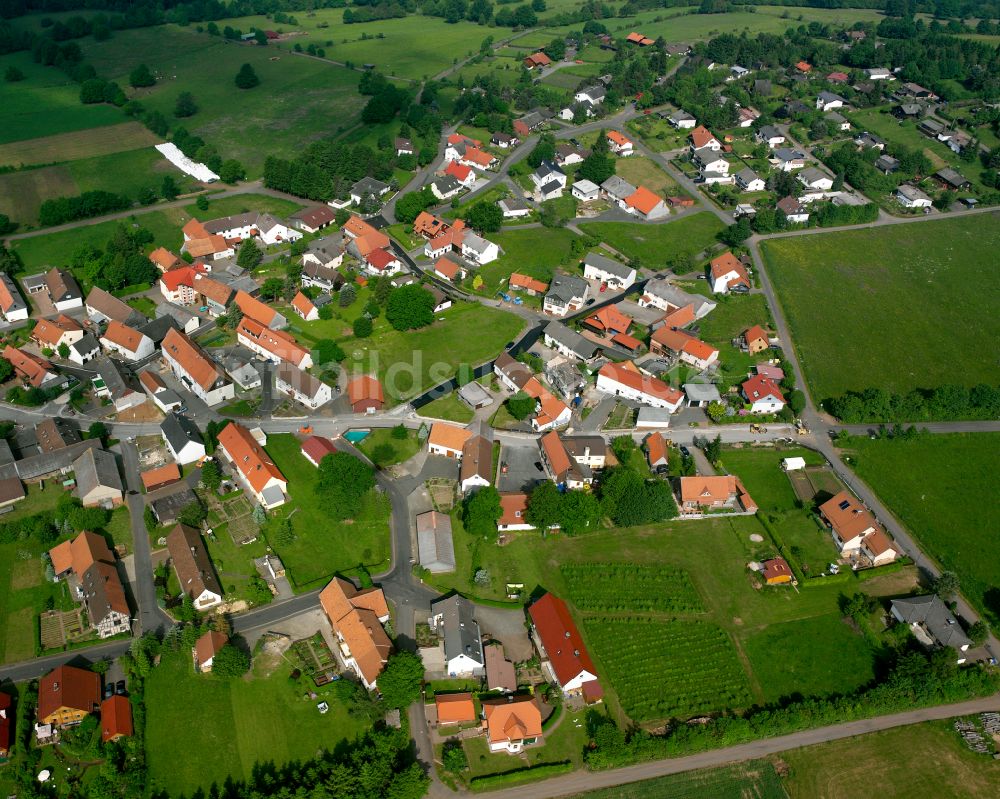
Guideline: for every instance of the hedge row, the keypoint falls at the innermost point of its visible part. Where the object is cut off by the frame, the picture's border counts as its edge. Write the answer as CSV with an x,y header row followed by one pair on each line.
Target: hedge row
x,y
518,776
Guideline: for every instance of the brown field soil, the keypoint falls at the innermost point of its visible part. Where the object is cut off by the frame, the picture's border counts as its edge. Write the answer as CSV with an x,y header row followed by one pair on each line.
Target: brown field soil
x,y
79,144
22,193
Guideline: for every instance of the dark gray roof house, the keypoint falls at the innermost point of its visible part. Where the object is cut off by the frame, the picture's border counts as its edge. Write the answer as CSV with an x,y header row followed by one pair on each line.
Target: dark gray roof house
x,y
376,188
51,462
566,288
168,508
463,647
609,265
931,622
617,188
567,339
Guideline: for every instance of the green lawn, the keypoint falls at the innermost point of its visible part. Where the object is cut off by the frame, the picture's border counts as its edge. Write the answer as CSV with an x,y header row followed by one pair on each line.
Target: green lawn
x,y
535,251
755,779
231,206
413,361
448,407
920,760
731,317
807,647
639,170
24,591
384,449
948,505
255,720
902,307
323,546
652,244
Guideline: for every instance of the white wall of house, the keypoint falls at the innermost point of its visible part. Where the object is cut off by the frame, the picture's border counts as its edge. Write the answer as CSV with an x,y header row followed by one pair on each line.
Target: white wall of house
x,y
612,386
322,396
144,349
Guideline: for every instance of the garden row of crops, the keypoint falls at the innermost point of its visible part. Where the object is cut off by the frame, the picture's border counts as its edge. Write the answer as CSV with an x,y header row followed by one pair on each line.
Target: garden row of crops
x,y
630,588
668,669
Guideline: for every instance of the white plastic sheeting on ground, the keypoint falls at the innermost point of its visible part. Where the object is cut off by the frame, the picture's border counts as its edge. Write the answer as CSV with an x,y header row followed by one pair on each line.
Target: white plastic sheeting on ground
x,y
185,164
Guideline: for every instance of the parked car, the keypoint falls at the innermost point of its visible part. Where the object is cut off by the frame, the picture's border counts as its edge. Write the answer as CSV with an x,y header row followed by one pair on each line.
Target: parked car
x,y
109,690
120,688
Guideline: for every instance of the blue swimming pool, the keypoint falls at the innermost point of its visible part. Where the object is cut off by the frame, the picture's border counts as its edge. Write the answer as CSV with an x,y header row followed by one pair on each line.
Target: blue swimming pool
x,y
356,436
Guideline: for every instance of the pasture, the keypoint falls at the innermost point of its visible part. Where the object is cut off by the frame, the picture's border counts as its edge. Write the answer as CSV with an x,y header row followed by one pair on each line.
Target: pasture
x,y
653,244
683,25
299,99
262,718
46,103
945,508
920,760
888,295
639,170
806,646
319,545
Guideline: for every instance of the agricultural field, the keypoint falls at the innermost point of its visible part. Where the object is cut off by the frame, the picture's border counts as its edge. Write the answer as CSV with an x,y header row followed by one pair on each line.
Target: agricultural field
x,y
652,244
730,604
888,293
624,588
683,25
264,717
754,779
79,144
944,509
920,760
668,668
320,546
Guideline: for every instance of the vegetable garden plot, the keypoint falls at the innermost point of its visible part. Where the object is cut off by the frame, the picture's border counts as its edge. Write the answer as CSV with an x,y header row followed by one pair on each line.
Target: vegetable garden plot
x,y
627,587
668,669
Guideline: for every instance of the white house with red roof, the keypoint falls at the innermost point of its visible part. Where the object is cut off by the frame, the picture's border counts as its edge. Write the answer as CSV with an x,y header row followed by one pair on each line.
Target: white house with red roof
x,y
463,173
726,274
625,380
304,307
382,262
763,394
565,659
619,143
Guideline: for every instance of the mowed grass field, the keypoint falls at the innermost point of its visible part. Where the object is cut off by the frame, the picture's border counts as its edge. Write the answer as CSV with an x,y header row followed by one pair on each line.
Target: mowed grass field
x,y
78,144
203,729
943,489
46,103
323,546
899,307
921,760
652,244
